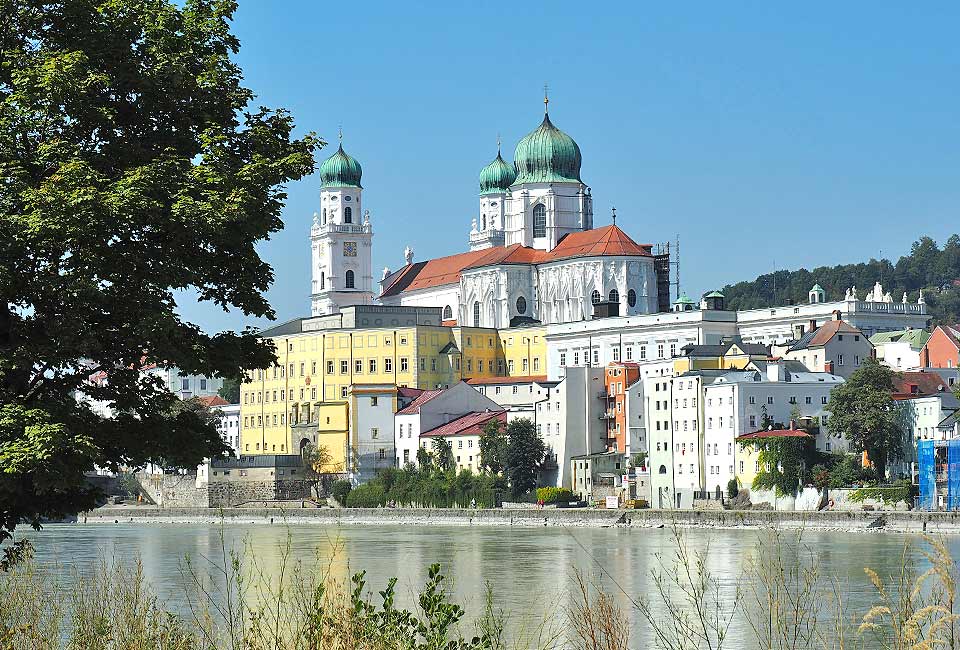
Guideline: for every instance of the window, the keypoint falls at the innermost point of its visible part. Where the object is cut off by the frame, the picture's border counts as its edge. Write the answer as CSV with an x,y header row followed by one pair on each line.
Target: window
x,y
343,391
510,366
373,366
373,401
632,298
476,314
595,297
404,364
329,367
348,215
344,366
563,359
521,305
185,384
614,295
629,353
616,354
770,400
348,283
374,431
388,365
856,362
203,384
660,350
753,400
576,358
643,352
808,400
823,400
323,280
540,220
447,313
839,359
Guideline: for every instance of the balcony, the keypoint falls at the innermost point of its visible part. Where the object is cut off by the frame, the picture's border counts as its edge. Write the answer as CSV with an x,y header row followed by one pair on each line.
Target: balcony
x,y
349,228
607,415
605,395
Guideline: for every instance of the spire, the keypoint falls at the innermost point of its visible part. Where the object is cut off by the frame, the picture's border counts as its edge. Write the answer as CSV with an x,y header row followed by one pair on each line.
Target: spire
x,y
340,133
498,145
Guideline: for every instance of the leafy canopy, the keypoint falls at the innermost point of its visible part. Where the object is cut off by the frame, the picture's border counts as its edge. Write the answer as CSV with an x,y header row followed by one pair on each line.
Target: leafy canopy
x,y
131,167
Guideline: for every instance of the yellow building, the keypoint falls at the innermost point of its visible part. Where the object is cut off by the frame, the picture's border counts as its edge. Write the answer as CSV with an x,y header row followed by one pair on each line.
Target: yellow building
x,y
322,361
728,355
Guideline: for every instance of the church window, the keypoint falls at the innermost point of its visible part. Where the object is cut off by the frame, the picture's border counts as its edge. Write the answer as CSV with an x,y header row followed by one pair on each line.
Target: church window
x,y
521,305
540,220
595,297
348,215
324,216
614,295
483,222
476,314
323,280
349,280
632,298
447,313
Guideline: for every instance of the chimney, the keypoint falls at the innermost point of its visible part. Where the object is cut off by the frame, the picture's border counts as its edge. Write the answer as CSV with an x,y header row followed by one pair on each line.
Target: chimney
x,y
775,371
812,325
793,425
828,367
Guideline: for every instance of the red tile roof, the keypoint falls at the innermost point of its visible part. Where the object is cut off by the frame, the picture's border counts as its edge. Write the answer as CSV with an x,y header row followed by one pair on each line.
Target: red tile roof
x,y
422,398
471,424
823,334
606,241
213,400
907,385
775,433
522,379
406,391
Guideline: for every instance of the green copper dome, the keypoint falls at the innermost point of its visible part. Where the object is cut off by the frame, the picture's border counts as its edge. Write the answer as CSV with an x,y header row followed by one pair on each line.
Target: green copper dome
x,y
497,177
340,170
547,155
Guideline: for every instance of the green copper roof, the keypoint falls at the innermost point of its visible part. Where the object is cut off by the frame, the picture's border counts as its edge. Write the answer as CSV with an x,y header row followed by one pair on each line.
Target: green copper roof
x,y
917,338
340,170
684,299
714,294
497,177
817,288
547,155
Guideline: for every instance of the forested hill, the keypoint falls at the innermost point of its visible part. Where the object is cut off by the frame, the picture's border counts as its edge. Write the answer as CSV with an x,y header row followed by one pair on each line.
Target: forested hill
x,y
931,268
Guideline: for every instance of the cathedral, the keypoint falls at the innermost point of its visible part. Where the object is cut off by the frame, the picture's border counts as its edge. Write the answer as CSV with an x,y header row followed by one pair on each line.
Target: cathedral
x,y
534,253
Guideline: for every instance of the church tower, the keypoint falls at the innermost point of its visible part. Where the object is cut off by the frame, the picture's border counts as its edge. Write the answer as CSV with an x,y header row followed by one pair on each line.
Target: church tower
x,y
341,238
495,181
547,199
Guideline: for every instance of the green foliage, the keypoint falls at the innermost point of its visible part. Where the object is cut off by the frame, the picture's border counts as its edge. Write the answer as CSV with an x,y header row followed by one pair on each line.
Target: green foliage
x,y
340,490
410,486
887,495
552,494
639,459
443,454
820,476
863,410
526,452
783,463
230,390
424,459
132,169
733,488
926,267
845,472
493,447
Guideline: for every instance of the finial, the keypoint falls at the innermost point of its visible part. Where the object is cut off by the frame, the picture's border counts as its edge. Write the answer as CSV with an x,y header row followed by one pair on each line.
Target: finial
x,y
340,132
614,216
498,144
546,97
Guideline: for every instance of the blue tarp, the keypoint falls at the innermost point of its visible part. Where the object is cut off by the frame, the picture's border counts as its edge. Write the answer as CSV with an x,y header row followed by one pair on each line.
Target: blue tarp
x,y
953,475
927,474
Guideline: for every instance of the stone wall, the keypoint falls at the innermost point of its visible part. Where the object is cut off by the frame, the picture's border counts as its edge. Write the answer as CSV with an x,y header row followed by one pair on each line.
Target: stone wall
x,y
173,490
234,493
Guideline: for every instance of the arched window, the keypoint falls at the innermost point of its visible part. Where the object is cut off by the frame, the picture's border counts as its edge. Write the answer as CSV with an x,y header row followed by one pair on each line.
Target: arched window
x,y
540,220
447,313
614,295
632,298
323,280
483,222
663,469
595,297
348,215
476,314
349,280
324,216
521,305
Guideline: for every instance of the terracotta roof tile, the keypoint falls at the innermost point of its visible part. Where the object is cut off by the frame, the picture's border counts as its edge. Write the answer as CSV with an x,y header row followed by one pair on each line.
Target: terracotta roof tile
x,y
823,334
907,385
775,433
213,400
422,398
471,424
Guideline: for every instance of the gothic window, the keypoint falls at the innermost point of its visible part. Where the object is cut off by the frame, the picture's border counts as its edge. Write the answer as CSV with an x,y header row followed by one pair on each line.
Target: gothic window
x,y
447,313
540,220
632,298
476,314
349,280
521,305
348,215
595,297
614,295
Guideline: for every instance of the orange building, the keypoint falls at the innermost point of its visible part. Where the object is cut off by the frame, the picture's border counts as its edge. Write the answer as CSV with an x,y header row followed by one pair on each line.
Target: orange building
x,y
942,349
618,379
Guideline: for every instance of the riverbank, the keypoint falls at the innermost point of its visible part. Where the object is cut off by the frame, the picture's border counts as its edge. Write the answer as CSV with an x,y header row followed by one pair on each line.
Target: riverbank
x,y
898,522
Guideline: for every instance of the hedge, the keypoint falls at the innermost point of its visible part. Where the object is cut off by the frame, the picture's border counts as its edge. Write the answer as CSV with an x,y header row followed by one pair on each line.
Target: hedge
x,y
554,495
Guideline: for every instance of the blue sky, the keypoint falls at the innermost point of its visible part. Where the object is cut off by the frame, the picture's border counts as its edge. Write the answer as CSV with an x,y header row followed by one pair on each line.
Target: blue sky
x,y
810,134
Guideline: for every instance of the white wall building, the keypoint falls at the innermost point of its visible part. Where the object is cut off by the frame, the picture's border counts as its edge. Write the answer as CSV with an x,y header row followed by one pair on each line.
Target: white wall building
x,y
371,431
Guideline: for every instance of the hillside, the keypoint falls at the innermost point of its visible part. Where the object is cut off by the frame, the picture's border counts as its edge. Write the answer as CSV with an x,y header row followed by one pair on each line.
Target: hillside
x,y
931,268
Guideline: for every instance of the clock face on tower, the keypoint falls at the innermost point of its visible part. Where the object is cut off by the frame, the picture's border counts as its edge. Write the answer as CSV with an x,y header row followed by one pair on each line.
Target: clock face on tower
x,y
349,249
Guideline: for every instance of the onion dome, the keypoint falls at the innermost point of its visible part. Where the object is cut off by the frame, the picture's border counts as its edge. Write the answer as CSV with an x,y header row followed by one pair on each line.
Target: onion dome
x,y
340,170
547,155
497,177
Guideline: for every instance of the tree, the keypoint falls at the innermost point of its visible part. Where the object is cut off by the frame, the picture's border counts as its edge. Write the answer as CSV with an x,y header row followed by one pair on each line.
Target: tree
x,y
424,460
524,456
132,169
864,411
230,390
493,447
317,463
443,453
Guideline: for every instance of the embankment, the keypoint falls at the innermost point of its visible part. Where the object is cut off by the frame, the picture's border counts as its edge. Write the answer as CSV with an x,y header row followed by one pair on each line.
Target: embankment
x,y
901,522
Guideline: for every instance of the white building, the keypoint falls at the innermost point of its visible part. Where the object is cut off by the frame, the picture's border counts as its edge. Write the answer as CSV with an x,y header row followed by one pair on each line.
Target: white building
x,y
836,347
229,425
430,410
371,430
463,435
900,349
518,395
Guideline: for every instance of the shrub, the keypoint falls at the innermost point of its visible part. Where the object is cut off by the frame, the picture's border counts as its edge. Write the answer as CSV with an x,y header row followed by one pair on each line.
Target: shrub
x,y
340,490
554,495
732,488
369,495
820,476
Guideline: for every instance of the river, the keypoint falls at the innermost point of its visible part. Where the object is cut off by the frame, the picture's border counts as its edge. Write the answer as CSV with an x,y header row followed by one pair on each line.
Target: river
x,y
531,570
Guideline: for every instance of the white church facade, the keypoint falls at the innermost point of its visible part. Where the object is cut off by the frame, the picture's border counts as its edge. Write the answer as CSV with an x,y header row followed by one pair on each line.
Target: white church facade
x,y
534,255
